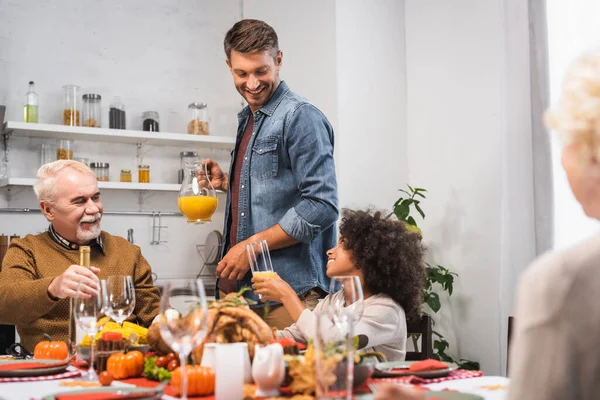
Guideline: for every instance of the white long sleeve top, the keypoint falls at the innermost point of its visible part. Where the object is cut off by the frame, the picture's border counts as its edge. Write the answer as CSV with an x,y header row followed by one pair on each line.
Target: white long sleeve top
x,y
383,323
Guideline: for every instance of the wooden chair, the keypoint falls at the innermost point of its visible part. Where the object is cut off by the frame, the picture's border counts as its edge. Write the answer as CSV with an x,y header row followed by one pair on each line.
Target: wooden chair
x,y
511,324
423,327
7,332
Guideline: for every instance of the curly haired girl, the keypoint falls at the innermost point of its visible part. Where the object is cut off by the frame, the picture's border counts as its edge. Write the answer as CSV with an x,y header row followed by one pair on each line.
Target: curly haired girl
x,y
388,260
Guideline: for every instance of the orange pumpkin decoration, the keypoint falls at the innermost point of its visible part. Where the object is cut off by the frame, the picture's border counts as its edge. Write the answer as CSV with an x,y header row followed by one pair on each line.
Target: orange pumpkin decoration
x,y
49,350
201,380
125,365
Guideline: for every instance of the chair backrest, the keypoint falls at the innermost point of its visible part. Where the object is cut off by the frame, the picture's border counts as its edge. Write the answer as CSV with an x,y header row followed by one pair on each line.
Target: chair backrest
x,y
7,332
423,327
511,324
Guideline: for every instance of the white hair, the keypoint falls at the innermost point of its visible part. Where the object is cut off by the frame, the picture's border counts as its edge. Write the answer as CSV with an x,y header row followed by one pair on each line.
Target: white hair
x,y
576,116
45,187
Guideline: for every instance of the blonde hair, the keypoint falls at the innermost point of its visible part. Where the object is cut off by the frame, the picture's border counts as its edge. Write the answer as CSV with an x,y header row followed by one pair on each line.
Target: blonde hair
x,y
45,187
576,117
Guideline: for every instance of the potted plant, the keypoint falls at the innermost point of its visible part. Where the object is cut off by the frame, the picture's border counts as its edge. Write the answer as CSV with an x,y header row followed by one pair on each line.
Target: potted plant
x,y
437,278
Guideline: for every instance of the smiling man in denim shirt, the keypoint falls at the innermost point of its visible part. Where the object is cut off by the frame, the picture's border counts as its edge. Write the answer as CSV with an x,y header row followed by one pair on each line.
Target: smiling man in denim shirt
x,y
281,183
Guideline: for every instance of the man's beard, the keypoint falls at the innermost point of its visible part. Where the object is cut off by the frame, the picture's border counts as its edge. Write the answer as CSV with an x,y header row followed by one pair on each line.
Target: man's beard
x,y
91,233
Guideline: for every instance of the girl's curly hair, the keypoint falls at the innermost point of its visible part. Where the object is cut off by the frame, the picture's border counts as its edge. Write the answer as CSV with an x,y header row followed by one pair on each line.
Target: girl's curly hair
x,y
389,256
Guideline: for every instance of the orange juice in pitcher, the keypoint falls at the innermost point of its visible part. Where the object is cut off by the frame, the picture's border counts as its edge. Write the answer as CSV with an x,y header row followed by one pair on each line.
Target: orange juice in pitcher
x,y
197,197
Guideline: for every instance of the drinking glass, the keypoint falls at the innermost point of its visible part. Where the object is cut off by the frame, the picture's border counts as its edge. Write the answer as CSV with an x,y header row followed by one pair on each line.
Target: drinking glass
x,y
334,356
185,329
260,260
347,304
88,313
121,297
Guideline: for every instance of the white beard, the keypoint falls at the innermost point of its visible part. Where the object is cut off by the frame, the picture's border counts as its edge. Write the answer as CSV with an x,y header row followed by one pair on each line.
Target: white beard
x,y
88,235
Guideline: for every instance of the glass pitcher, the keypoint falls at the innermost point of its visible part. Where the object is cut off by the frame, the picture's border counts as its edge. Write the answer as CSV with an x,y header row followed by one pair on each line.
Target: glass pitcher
x,y
197,197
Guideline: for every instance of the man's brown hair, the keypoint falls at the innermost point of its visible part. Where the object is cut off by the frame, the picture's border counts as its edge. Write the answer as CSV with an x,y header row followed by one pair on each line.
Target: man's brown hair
x,y
249,36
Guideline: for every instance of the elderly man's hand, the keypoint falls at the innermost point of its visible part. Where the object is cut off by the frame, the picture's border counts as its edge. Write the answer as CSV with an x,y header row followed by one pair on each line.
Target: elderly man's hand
x,y
235,264
65,285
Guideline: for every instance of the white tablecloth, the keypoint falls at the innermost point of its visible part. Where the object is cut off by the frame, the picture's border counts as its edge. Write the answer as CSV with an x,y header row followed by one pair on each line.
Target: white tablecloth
x,y
488,387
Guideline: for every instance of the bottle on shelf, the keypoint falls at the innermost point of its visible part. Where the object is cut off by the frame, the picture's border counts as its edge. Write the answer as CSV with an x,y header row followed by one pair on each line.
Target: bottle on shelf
x,y
30,110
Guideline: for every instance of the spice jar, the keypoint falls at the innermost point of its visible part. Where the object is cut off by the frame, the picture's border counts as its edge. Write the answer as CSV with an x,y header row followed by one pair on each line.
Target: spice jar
x,y
116,114
125,175
64,150
72,105
186,157
150,121
198,124
92,113
143,173
101,170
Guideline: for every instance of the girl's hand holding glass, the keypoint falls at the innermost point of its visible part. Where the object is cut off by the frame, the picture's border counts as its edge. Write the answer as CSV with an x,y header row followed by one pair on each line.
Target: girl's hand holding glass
x,y
271,288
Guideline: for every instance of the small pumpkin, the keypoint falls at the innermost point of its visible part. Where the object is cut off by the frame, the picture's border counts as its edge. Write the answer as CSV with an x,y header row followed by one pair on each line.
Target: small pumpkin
x,y
51,350
125,365
201,380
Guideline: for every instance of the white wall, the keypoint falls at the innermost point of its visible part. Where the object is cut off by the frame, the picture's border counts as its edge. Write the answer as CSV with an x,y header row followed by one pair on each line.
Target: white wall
x,y
468,144
371,76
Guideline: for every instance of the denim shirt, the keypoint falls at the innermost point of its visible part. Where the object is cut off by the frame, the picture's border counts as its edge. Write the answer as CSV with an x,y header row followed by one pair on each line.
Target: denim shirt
x,y
288,178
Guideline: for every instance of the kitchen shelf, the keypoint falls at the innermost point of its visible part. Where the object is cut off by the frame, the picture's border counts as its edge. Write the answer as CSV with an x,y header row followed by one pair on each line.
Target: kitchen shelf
x,y
157,187
49,131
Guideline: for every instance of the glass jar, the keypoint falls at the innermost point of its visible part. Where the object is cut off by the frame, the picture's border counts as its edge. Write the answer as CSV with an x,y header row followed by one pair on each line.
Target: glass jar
x,y
116,114
101,170
72,105
185,157
64,150
84,160
125,175
150,121
143,173
47,153
92,112
198,119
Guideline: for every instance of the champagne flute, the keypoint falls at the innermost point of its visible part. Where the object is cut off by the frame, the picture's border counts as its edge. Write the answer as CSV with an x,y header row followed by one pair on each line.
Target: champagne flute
x,y
185,329
260,260
121,297
88,311
346,306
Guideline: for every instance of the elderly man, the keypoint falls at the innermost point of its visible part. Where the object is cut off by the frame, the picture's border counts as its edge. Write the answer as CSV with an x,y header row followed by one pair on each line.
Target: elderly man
x,y
40,273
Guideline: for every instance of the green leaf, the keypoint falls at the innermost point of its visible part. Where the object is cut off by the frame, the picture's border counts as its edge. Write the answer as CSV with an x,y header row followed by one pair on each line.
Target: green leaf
x,y
437,334
420,190
411,221
404,191
419,210
398,202
411,189
401,211
420,194
433,301
440,345
467,364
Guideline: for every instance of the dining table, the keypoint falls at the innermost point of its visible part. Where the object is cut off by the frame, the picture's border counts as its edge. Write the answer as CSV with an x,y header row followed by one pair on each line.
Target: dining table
x,y
72,381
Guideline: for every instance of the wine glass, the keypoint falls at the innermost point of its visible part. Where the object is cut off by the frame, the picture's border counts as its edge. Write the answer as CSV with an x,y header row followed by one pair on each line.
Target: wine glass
x,y
185,329
88,312
120,294
347,305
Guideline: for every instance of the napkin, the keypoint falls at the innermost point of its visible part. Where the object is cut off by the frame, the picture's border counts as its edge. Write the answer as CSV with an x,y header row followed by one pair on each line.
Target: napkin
x,y
427,365
97,395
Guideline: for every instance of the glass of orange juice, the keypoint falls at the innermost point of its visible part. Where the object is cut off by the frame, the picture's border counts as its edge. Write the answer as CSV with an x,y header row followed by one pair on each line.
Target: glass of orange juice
x,y
197,199
260,259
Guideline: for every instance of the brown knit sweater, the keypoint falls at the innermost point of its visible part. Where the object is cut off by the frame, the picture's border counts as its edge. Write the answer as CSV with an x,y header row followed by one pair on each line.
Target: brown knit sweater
x,y
31,263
